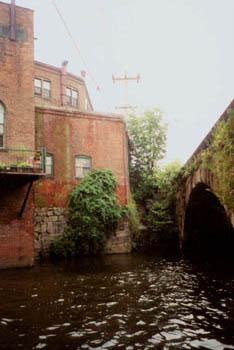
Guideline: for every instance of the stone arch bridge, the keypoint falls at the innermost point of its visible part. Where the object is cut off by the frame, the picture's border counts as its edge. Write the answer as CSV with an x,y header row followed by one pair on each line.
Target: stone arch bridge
x,y
204,223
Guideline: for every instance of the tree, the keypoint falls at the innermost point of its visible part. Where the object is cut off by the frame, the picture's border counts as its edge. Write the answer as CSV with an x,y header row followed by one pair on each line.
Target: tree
x,y
147,137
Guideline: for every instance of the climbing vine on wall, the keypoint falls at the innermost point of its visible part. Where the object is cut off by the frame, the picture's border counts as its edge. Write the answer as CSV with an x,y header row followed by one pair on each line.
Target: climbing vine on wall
x,y
94,213
219,158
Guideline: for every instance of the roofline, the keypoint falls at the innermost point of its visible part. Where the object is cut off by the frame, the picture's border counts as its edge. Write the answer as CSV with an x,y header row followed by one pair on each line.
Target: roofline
x,y
204,144
57,69
60,111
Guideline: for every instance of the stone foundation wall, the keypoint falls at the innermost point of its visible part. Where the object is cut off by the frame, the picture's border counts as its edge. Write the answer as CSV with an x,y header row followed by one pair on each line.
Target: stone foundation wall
x,y
50,223
121,241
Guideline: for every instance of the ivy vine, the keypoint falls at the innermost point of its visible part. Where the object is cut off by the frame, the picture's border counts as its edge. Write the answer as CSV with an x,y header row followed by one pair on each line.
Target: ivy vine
x,y
219,159
94,213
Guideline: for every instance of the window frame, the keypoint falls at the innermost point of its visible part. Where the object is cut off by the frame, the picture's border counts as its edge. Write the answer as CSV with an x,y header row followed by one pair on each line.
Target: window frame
x,y
81,156
70,100
51,156
45,96
42,94
3,124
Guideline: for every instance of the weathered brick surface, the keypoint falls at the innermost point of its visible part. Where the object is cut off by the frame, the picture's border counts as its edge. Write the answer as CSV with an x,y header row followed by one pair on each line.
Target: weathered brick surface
x,y
66,135
16,93
16,83
16,235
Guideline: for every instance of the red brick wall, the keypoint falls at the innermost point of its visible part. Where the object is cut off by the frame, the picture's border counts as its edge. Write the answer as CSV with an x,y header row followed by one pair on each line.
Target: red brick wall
x,y
66,135
16,92
16,80
16,235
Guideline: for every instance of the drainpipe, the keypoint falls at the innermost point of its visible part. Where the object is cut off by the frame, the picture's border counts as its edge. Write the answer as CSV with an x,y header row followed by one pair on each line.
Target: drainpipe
x,y
13,20
63,82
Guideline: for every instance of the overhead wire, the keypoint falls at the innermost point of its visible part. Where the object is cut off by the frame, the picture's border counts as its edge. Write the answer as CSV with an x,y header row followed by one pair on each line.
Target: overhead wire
x,y
76,45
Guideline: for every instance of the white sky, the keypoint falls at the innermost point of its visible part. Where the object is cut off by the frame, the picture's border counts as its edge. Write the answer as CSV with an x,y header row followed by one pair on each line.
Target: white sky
x,y
183,50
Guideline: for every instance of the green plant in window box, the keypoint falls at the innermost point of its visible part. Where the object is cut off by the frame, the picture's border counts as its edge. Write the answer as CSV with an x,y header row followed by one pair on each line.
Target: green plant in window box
x,y
26,167
2,166
37,156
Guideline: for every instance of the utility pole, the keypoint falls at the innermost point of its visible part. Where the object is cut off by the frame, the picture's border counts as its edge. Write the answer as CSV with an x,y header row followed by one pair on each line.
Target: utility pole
x,y
126,80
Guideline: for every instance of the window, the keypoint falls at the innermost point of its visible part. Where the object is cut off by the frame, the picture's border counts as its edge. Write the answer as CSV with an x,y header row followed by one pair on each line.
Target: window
x,y
42,88
46,89
68,96
2,125
49,164
38,87
72,97
82,166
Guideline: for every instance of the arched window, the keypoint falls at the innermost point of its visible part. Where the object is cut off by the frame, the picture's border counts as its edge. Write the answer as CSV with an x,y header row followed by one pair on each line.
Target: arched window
x,y
2,125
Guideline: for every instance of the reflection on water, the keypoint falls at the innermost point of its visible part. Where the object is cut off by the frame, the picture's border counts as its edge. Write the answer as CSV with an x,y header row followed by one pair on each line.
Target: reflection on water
x,y
118,302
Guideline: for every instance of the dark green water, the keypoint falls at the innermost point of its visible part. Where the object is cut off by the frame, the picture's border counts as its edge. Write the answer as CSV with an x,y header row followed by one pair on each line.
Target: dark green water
x,y
118,302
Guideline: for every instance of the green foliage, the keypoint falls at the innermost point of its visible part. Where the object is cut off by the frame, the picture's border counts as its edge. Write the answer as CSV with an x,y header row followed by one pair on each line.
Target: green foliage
x,y
134,221
159,219
147,145
2,165
160,222
219,158
25,165
191,165
94,213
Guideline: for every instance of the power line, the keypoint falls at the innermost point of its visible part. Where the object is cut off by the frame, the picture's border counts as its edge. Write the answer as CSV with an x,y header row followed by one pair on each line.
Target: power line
x,y
76,45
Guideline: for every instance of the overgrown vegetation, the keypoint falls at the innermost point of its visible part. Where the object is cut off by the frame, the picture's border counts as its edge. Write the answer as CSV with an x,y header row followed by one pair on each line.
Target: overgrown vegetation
x,y
134,221
159,216
219,158
151,185
147,136
94,213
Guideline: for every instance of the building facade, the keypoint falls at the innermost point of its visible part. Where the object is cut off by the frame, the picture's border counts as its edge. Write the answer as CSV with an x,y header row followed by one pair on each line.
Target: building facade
x,y
50,137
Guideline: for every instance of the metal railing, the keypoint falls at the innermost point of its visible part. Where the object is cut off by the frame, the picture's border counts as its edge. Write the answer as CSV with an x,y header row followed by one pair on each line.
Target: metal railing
x,y
22,160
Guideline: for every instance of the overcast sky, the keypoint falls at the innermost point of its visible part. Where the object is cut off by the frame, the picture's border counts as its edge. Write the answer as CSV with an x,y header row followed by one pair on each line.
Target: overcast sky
x,y
183,50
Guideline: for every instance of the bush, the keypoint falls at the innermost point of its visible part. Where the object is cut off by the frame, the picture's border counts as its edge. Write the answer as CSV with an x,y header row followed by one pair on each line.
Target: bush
x,y
94,213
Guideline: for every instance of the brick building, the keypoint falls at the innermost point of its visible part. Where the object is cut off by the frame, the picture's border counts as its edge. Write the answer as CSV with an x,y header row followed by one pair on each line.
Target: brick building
x,y
50,137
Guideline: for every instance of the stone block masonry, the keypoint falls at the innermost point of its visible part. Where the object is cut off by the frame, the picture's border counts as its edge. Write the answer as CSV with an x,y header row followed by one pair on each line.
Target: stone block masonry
x,y
49,223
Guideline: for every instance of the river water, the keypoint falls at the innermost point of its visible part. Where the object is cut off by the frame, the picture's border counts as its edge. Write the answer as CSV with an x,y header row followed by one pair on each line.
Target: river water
x,y
118,302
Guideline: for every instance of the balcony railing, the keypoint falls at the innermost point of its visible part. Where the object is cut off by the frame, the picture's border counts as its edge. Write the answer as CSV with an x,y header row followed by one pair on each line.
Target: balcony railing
x,y
22,161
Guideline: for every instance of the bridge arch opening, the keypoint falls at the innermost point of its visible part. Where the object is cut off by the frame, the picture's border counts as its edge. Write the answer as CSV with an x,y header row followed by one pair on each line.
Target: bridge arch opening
x,y
207,229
